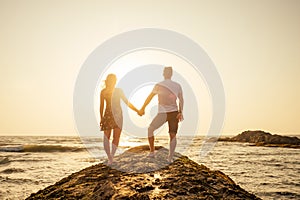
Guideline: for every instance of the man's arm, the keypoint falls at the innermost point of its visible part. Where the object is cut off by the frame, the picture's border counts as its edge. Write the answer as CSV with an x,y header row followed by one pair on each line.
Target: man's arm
x,y
181,102
147,101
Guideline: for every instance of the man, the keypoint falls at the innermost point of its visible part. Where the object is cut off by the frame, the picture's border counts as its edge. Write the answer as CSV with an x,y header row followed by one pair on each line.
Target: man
x,y
168,111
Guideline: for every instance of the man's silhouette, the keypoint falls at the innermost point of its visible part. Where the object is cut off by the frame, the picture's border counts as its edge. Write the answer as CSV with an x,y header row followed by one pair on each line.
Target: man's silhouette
x,y
168,92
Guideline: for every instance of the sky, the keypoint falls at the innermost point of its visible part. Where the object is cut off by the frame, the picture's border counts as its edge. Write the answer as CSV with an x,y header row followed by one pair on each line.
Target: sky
x,y
254,45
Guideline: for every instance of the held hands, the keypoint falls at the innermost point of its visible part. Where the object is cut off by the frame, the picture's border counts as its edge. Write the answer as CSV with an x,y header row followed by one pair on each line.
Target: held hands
x,y
141,112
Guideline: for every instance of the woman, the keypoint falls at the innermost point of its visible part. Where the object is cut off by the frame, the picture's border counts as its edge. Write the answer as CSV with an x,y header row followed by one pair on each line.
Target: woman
x,y
112,118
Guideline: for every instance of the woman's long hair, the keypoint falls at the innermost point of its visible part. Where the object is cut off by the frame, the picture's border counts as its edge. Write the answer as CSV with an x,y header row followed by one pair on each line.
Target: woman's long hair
x,y
110,81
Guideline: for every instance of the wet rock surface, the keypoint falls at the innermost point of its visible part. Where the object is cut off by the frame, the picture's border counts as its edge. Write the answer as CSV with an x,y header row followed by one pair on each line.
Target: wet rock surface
x,y
135,176
261,138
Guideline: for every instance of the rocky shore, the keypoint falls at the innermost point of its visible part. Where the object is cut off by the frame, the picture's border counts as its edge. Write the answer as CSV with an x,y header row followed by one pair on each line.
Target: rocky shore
x,y
261,138
135,176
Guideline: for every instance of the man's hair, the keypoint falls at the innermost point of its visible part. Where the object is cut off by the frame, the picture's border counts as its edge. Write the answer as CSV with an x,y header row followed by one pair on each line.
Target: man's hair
x,y
168,72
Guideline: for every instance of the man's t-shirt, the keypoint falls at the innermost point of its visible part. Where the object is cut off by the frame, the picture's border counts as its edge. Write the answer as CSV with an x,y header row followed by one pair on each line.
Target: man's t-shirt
x,y
167,92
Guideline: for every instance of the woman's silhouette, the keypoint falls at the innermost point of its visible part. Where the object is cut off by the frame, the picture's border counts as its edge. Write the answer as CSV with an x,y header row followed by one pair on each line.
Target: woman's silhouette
x,y
112,118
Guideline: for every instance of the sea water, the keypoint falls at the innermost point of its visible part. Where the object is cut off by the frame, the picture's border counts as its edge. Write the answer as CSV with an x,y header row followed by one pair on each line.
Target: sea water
x,y
28,164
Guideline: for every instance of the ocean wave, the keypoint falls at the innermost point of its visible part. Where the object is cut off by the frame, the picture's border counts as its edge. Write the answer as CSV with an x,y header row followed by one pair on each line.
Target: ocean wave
x,y
41,148
12,170
290,194
18,181
4,160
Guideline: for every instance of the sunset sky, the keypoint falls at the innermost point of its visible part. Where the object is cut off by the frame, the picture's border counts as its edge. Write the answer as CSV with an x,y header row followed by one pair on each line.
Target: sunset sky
x,y
254,45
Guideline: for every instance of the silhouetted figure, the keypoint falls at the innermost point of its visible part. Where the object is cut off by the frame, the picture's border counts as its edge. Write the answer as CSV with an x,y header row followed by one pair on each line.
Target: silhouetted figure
x,y
168,92
113,117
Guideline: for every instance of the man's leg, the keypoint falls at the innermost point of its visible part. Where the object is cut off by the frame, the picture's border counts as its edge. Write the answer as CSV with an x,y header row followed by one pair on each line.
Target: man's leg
x,y
151,139
157,122
173,127
173,143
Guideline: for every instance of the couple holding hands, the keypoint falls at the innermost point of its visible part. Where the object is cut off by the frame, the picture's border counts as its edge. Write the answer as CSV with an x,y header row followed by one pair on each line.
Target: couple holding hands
x,y
111,117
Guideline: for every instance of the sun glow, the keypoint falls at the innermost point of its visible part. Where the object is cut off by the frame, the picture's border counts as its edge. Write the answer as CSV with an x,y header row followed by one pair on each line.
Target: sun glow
x,y
137,98
193,85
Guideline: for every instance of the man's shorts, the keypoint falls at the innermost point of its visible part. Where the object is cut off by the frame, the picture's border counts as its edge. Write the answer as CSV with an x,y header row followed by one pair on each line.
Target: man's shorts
x,y
162,118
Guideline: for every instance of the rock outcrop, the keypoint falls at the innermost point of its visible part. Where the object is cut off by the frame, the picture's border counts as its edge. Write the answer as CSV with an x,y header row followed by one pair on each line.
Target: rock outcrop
x,y
261,138
135,176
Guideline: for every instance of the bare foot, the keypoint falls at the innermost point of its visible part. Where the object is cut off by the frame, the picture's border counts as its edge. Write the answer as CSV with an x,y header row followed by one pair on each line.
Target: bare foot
x,y
170,160
110,161
151,155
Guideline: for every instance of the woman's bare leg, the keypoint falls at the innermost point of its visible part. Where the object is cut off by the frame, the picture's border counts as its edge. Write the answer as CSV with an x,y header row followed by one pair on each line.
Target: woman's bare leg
x,y
115,142
106,145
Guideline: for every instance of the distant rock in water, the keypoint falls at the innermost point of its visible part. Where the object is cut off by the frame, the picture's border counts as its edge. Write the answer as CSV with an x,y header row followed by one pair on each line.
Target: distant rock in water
x,y
261,138
182,179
